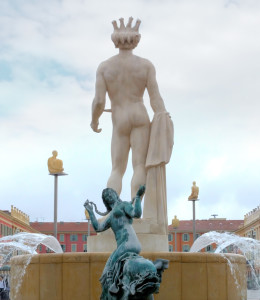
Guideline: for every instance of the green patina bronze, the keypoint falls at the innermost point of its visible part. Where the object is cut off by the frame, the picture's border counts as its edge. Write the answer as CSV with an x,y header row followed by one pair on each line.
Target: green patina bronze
x,y
127,275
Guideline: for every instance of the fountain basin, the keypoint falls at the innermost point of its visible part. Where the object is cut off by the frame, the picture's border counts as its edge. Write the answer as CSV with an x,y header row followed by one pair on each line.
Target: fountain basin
x,y
191,276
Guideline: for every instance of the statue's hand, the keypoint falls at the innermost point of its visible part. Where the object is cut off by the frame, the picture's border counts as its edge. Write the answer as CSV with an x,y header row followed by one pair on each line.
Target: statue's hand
x,y
94,126
141,191
88,206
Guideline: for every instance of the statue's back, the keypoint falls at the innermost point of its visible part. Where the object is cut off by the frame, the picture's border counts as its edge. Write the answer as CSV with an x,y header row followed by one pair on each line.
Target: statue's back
x,y
125,77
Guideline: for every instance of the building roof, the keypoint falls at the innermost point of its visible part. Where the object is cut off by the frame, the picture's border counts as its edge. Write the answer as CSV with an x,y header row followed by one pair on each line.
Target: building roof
x,y
6,216
6,212
184,226
209,225
47,227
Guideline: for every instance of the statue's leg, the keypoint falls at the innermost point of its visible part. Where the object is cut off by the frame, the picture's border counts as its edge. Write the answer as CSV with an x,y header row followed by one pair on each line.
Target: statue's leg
x,y
139,140
120,146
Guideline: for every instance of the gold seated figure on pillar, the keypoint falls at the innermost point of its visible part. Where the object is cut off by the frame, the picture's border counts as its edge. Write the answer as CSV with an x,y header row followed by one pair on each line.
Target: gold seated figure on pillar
x,y
194,192
55,165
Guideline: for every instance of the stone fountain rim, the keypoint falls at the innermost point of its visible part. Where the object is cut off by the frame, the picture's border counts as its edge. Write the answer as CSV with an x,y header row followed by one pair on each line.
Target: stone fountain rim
x,y
84,257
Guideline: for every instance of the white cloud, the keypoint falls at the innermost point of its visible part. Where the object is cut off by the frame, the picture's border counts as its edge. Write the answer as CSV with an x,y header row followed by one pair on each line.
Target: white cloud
x,y
215,168
207,58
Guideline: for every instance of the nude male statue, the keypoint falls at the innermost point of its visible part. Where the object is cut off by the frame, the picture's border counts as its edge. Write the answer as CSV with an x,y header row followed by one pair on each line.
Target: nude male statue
x,y
125,77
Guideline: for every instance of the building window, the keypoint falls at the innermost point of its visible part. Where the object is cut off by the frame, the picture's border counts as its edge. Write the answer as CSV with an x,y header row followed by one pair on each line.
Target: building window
x,y
197,235
170,248
170,237
40,248
10,231
209,248
185,237
84,237
48,250
85,248
73,237
73,248
61,237
63,247
185,248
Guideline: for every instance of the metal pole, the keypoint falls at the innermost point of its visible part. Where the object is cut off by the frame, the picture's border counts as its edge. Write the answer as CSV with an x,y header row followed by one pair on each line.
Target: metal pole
x,y
55,203
88,227
175,240
194,225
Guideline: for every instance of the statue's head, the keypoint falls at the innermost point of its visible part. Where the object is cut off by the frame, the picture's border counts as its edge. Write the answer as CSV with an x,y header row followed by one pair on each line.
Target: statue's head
x,y
126,37
109,197
54,153
194,182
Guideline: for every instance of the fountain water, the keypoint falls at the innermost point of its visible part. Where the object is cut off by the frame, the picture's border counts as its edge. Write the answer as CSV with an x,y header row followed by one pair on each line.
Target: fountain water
x,y
228,242
224,240
27,243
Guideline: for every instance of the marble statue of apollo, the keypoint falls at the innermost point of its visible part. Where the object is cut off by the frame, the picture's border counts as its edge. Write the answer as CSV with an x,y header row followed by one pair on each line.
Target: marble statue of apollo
x,y
124,77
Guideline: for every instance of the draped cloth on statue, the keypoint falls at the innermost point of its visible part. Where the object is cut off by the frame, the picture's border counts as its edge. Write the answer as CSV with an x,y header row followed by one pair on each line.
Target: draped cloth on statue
x,y
159,154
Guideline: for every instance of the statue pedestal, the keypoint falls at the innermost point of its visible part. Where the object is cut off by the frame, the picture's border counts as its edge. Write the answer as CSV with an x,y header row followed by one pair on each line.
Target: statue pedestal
x,y
151,236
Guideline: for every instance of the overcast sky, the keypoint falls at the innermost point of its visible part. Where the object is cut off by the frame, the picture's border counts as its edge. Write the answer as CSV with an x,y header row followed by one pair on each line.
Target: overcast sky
x,y
207,58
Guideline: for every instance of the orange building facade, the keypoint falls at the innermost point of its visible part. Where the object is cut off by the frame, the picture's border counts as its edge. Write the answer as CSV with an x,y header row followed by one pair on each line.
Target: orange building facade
x,y
14,221
72,236
251,226
251,229
184,232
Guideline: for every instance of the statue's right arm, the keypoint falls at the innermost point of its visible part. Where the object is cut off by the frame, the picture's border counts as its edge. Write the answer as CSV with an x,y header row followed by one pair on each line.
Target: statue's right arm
x,y
103,225
99,226
99,101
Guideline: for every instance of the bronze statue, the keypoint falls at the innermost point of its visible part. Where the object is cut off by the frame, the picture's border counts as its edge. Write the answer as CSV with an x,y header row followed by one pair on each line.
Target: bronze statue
x,y
127,275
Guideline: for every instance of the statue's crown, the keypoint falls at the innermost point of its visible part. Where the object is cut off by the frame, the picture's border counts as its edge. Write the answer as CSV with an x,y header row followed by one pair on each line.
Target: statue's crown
x,y
126,37
128,27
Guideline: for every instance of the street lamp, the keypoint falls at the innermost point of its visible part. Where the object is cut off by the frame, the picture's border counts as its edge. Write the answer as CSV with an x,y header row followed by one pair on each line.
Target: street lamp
x,y
175,225
194,197
55,167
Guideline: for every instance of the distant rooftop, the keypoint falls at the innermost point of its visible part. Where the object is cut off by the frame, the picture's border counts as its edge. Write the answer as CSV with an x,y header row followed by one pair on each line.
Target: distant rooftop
x,y
47,227
253,215
213,224
6,212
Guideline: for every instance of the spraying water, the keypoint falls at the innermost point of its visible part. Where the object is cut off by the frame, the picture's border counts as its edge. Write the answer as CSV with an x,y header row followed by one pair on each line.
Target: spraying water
x,y
228,242
25,243
224,240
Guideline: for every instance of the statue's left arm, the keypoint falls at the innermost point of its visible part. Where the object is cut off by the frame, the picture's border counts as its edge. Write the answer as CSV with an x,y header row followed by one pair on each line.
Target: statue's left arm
x,y
156,100
99,101
135,210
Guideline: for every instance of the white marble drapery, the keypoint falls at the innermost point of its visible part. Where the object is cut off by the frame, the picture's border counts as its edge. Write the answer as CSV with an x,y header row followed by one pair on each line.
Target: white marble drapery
x,y
159,154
